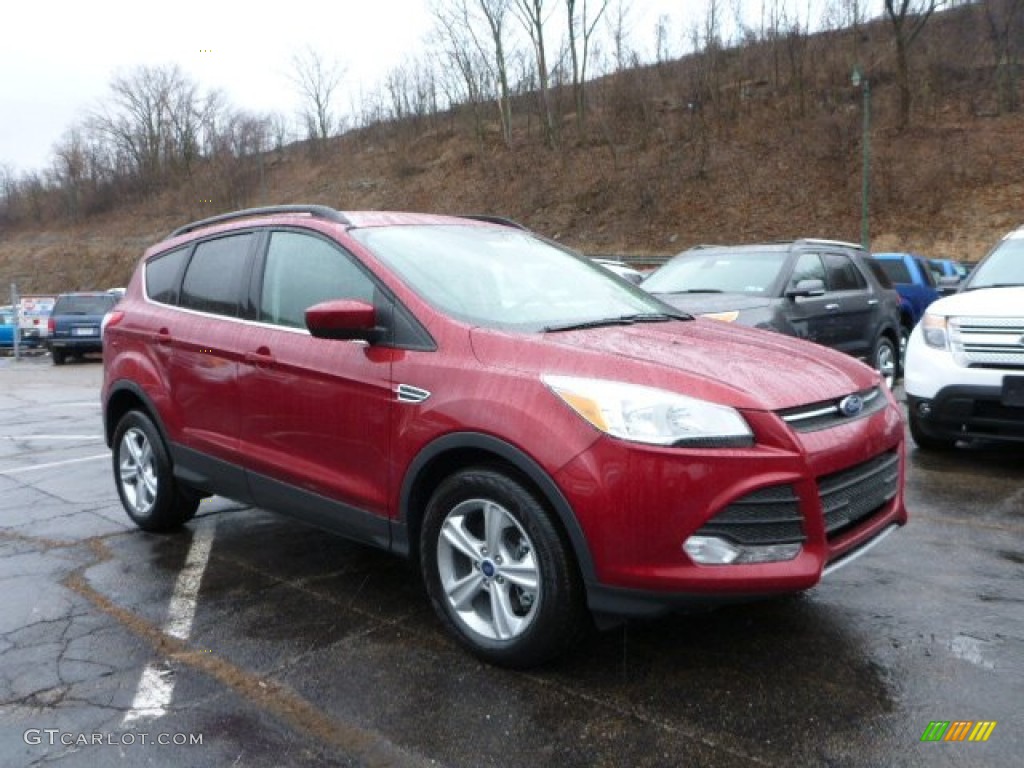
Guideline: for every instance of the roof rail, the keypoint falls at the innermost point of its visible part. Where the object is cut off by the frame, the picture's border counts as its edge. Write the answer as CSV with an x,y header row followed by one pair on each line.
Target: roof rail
x,y
823,241
319,211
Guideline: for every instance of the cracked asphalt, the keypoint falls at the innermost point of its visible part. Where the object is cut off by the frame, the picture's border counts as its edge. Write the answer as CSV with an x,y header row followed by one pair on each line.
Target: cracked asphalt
x,y
307,650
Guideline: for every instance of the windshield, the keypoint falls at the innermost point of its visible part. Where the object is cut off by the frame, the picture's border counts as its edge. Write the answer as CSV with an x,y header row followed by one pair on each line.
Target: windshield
x,y
504,278
1004,266
753,272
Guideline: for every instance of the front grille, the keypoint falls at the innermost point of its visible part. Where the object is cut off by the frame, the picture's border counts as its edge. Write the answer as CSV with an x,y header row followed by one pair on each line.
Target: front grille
x,y
988,342
851,496
767,516
828,413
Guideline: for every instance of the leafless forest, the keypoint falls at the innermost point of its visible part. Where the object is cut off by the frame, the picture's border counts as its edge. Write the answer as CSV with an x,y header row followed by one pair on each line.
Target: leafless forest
x,y
730,129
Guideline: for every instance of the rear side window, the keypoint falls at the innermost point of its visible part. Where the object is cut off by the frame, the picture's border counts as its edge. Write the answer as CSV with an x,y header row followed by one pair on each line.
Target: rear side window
x,y
897,272
217,274
875,268
842,273
303,270
162,274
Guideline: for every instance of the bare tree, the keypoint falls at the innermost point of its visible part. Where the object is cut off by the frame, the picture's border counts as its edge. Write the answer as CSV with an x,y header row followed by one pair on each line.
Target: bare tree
x,y
317,81
1006,31
908,18
581,26
532,16
618,29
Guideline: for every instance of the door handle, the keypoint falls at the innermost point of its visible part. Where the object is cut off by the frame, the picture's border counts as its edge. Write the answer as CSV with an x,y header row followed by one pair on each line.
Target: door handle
x,y
163,336
832,307
260,356
872,302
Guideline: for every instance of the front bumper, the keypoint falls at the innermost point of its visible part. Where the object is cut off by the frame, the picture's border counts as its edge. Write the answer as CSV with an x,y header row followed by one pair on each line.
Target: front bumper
x,y
638,505
968,412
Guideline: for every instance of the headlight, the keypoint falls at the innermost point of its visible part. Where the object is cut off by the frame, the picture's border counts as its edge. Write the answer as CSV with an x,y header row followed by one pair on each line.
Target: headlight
x,y
933,327
648,415
725,317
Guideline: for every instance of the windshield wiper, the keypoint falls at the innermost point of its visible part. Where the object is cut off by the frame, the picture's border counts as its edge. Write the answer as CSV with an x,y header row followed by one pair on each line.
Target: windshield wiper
x,y
994,285
646,317
692,290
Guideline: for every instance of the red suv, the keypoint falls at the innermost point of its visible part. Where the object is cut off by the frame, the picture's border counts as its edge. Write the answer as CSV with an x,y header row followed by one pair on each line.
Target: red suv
x,y
550,443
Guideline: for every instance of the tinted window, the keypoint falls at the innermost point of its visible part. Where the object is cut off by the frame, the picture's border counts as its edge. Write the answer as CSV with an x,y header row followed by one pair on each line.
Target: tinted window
x,y
927,273
876,269
897,271
84,305
162,276
216,275
808,267
842,273
303,270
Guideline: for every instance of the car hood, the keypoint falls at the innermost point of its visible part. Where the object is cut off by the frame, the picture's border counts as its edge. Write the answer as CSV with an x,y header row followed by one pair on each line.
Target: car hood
x,y
723,363
707,303
983,302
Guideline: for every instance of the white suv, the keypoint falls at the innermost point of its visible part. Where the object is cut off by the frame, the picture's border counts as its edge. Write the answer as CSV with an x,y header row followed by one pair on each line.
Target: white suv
x,y
964,374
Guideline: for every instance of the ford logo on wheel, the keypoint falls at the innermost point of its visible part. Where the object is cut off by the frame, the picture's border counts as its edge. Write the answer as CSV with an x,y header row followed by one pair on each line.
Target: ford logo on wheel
x,y
851,406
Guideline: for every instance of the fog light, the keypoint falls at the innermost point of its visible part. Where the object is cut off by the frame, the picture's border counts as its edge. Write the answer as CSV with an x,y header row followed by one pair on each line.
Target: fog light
x,y
924,408
711,550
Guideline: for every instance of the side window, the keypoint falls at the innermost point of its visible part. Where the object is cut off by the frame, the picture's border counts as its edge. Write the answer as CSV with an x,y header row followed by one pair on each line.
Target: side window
x,y
808,267
303,270
927,273
162,275
843,274
217,274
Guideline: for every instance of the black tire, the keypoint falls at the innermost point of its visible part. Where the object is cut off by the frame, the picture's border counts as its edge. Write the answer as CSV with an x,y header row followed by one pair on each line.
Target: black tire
x,y
502,619
923,440
58,356
885,359
145,481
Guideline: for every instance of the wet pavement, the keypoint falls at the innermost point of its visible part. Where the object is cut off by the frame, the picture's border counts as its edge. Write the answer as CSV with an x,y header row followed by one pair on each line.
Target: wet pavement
x,y
274,644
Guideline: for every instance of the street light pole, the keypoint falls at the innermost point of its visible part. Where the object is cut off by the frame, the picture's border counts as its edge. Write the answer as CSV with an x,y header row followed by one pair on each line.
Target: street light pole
x,y
859,80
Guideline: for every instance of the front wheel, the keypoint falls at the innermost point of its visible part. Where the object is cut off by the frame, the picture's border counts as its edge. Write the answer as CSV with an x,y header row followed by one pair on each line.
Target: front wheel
x,y
499,574
151,496
885,360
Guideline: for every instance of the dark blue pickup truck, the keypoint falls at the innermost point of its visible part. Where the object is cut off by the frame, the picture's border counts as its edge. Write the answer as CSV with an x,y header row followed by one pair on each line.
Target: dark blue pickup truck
x,y
913,279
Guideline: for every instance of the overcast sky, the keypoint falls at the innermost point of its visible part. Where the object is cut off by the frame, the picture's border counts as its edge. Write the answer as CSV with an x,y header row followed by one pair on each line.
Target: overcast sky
x,y
58,56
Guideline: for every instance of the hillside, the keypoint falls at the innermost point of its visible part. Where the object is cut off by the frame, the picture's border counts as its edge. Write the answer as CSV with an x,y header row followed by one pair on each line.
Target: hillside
x,y
672,155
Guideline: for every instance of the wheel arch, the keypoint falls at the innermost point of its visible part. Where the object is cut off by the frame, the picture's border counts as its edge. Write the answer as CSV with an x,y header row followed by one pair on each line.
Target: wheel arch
x,y
127,396
447,454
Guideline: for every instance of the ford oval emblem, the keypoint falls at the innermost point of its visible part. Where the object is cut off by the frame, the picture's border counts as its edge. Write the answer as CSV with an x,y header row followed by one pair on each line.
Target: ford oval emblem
x,y
851,406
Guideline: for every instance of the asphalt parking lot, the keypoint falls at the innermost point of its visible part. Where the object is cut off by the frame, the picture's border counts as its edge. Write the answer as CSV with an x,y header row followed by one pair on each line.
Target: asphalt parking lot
x,y
248,640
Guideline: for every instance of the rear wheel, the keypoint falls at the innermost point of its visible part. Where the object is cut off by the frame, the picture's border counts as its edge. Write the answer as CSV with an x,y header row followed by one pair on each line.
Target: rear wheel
x,y
151,496
58,356
499,574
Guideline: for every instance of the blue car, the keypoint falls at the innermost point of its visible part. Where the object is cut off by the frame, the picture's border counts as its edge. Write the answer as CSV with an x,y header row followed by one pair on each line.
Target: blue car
x,y
912,277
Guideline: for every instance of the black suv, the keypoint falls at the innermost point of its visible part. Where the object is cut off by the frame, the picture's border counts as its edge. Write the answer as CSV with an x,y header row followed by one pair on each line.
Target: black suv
x,y
75,322
824,291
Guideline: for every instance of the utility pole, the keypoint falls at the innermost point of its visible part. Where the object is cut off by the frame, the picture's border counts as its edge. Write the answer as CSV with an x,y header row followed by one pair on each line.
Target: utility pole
x,y
15,310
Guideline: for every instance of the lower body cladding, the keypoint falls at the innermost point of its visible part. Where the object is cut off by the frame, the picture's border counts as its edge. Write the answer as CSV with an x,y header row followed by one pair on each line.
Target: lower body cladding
x,y
967,412
671,528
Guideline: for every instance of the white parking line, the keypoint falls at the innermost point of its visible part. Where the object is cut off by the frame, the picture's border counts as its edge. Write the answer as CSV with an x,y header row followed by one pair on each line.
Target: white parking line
x,y
156,686
51,437
34,467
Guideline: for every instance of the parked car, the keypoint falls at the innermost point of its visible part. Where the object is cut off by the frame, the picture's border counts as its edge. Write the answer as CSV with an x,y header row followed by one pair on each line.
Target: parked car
x,y
622,269
965,361
8,329
820,290
912,276
540,437
33,314
74,324
948,268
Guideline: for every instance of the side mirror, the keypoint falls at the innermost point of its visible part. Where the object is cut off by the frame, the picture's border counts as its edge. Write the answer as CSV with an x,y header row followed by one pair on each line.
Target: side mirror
x,y
806,288
949,285
345,319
